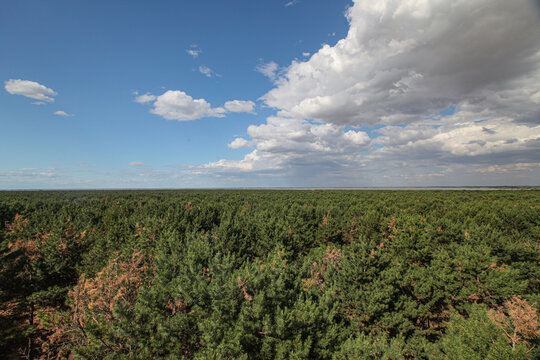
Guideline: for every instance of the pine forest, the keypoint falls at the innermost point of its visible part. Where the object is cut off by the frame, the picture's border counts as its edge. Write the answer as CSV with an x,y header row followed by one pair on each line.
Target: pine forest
x,y
269,274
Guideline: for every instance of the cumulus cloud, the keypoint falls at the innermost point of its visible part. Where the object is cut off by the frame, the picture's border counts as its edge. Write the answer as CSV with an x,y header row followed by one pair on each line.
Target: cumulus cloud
x,y
284,145
239,143
240,106
62,113
30,89
401,64
291,3
460,142
177,105
206,71
403,60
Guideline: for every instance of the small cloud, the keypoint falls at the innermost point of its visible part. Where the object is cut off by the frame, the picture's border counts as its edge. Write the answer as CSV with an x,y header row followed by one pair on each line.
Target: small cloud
x,y
332,34
30,89
291,3
137,163
239,143
269,69
82,164
177,105
38,103
306,54
145,98
194,53
62,113
205,70
239,106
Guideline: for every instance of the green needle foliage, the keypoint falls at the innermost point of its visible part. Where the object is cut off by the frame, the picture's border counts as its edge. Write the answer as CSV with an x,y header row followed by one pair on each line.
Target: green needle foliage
x,y
270,274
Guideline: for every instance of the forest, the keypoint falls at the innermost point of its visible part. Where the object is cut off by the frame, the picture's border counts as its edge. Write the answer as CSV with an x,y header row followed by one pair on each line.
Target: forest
x,y
269,274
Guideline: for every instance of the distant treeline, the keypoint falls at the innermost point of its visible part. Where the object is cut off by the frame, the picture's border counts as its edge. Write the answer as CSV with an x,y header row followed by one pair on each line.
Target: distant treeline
x,y
266,274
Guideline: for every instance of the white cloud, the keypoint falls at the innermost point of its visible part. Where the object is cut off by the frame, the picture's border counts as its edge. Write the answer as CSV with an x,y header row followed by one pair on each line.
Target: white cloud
x,y
177,105
508,168
240,106
194,51
460,142
30,89
25,173
137,163
403,60
145,98
291,3
287,145
239,143
206,71
62,113
305,54
269,69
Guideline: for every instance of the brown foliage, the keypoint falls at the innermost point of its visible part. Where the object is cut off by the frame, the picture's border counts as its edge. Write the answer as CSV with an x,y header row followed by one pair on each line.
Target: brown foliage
x,y
331,258
518,319
95,300
18,224
118,282
242,285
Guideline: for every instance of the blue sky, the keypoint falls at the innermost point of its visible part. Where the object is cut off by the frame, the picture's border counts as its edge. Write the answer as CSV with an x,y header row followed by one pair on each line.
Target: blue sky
x,y
327,93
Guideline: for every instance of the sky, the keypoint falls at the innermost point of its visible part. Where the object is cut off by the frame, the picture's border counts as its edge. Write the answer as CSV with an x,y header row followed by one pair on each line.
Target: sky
x,y
260,93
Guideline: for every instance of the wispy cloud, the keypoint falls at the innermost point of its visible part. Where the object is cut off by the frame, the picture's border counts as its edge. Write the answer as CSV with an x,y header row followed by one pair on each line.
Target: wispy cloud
x,y
50,172
206,71
194,51
137,163
240,106
269,69
62,113
145,98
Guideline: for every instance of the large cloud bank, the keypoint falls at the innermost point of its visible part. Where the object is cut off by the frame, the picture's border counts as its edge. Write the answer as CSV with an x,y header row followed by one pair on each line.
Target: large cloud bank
x,y
401,64
402,60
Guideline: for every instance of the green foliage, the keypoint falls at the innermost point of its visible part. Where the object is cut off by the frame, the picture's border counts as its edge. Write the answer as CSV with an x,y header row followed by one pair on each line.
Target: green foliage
x,y
269,274
365,347
477,337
